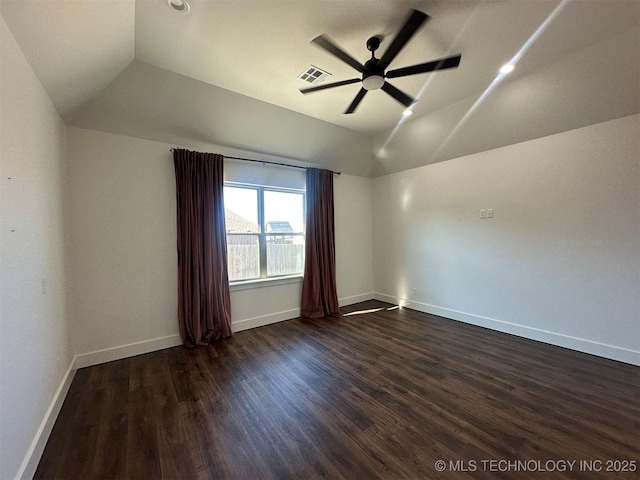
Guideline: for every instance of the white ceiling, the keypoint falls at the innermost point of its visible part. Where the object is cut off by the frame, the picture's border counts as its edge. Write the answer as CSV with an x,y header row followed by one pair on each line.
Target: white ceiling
x,y
91,55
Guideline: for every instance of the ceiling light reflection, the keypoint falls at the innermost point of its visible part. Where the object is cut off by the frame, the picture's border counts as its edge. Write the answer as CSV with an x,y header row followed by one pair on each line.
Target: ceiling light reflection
x,y
514,60
430,77
508,68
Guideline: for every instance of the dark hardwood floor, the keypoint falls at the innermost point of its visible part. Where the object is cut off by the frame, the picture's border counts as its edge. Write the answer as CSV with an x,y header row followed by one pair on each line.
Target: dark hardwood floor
x,y
384,394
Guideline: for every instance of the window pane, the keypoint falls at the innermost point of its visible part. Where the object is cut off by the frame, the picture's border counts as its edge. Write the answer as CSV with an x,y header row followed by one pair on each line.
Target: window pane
x,y
265,232
241,210
283,212
285,254
243,257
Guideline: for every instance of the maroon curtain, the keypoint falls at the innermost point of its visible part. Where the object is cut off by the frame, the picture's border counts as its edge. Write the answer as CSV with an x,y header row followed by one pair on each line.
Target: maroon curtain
x,y
204,304
319,295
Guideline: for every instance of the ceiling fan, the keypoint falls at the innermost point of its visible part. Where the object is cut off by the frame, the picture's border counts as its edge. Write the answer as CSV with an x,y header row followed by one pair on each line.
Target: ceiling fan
x,y
373,71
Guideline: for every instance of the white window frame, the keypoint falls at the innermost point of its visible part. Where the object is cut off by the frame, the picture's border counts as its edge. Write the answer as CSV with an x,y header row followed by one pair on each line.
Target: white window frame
x,y
263,234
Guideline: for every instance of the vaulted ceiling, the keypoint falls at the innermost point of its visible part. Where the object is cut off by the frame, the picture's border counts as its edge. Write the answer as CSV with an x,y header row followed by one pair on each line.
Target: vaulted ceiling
x,y
227,73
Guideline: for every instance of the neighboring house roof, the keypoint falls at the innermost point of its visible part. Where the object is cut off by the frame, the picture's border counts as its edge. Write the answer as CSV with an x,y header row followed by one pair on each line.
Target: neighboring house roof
x,y
238,224
279,227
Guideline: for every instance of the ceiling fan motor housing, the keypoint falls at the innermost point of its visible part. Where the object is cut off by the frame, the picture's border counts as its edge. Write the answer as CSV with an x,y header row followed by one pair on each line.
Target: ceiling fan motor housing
x,y
373,75
373,44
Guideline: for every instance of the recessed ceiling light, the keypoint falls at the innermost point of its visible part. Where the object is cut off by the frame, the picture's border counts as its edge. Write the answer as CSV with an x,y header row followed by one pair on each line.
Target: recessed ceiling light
x,y
407,112
508,68
181,6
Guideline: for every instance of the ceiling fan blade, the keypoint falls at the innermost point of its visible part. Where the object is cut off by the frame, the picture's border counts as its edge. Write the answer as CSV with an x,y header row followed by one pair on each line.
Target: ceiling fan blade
x,y
411,25
330,85
399,95
356,101
325,43
443,63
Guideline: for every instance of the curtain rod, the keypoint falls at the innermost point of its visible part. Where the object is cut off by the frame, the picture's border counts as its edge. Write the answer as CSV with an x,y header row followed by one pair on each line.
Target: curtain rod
x,y
266,162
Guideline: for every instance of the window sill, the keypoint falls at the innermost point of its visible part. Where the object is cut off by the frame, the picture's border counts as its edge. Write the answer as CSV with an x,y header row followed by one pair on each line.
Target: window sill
x,y
264,282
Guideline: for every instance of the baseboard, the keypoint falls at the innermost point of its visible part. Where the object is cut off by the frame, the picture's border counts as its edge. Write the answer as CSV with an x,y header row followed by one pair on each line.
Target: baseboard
x,y
263,320
573,343
125,351
343,302
36,449
147,346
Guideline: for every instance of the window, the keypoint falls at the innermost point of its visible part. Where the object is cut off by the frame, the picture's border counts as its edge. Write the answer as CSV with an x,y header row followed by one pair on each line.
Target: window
x,y
265,231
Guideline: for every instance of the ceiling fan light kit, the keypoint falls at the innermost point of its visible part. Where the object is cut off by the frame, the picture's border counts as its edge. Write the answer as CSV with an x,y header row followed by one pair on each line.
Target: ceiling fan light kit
x,y
374,72
372,82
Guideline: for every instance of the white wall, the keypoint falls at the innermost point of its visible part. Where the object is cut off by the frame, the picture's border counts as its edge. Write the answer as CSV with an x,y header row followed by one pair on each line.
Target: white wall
x,y
123,248
354,245
34,353
560,262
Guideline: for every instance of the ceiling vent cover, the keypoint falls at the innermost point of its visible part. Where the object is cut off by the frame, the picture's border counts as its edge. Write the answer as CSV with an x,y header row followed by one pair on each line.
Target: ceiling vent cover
x,y
313,75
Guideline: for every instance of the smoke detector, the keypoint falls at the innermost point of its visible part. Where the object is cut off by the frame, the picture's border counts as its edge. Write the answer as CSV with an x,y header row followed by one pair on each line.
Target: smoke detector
x,y
314,75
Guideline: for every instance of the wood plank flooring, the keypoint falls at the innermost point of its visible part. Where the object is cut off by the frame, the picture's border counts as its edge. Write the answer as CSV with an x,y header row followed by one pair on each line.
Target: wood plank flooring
x,y
384,394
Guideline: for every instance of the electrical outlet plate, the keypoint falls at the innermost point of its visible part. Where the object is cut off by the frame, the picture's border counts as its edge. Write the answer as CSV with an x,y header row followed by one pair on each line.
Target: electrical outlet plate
x,y
483,213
